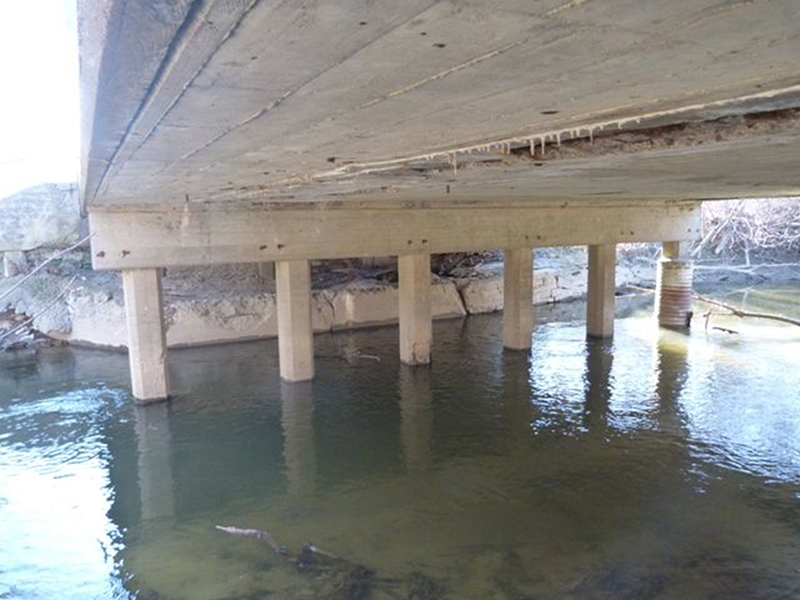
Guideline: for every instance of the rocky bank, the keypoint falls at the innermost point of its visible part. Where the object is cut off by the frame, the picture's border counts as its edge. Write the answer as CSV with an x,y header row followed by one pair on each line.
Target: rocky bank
x,y
221,304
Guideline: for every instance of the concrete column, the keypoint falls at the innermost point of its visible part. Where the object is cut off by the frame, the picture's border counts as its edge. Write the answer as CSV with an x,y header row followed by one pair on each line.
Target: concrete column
x,y
414,274
266,271
295,336
518,298
147,344
601,289
673,304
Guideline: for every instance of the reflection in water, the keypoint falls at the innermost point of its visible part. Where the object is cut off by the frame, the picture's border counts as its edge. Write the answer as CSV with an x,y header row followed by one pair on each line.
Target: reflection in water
x,y
416,417
671,372
517,409
154,444
656,466
297,420
599,360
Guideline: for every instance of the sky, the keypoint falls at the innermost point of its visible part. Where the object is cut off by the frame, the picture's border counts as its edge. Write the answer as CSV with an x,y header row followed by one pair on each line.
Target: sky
x,y
39,114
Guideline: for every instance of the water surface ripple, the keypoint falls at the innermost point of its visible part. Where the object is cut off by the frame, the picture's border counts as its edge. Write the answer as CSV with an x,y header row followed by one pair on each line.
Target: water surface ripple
x,y
659,465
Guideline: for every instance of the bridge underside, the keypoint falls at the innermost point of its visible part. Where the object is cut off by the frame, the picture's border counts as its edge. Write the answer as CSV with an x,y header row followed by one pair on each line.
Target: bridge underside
x,y
220,131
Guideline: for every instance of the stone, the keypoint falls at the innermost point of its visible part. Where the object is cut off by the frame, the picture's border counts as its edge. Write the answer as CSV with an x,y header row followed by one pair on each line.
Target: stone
x,y
43,216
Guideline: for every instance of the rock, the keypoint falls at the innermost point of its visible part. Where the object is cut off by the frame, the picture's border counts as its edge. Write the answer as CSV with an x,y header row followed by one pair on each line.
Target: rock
x,y
550,284
46,215
208,305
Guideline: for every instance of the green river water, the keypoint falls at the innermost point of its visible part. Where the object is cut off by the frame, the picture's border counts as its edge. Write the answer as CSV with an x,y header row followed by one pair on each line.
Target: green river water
x,y
659,465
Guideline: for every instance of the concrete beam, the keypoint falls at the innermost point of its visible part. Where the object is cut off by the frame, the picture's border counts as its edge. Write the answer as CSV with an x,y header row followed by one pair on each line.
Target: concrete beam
x,y
147,345
518,298
295,336
171,237
414,275
601,288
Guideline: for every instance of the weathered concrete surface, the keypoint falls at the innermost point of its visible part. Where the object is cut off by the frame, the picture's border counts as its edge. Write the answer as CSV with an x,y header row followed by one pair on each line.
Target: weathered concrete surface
x,y
42,216
204,100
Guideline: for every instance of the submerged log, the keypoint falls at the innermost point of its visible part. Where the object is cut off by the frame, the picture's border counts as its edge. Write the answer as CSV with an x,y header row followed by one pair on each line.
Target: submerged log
x,y
335,578
262,536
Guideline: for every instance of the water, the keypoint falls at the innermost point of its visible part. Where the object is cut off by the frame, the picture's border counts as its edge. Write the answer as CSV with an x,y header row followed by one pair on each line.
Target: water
x,y
656,466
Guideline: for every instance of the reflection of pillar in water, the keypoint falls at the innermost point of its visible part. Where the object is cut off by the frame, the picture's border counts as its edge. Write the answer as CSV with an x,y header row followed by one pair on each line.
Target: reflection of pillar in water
x,y
297,420
671,370
517,406
416,410
598,385
155,461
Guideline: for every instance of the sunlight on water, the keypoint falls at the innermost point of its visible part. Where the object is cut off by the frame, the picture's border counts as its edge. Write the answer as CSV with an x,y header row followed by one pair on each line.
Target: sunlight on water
x,y
658,465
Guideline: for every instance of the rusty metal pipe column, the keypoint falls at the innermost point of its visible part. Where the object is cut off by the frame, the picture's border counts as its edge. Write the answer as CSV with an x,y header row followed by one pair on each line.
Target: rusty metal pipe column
x,y
674,288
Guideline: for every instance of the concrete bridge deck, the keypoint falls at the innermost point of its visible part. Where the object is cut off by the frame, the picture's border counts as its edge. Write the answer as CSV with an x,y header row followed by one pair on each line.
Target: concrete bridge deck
x,y
250,131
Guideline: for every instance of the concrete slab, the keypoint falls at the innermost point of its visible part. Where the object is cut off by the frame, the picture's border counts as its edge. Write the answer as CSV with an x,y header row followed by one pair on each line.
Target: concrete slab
x,y
231,100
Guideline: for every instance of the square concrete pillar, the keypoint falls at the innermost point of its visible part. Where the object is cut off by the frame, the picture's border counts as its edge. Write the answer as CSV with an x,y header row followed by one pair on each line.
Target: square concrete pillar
x,y
266,270
601,288
295,336
414,275
518,298
147,344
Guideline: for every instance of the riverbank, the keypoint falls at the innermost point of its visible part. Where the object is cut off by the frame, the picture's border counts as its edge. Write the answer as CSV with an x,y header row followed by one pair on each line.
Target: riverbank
x,y
237,302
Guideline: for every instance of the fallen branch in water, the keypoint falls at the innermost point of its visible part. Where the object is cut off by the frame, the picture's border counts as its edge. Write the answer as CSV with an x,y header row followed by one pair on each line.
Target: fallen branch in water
x,y
644,291
330,576
267,538
737,312
726,330
263,536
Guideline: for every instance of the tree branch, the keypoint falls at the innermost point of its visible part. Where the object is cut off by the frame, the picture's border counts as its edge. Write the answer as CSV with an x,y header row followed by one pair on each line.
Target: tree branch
x,y
746,313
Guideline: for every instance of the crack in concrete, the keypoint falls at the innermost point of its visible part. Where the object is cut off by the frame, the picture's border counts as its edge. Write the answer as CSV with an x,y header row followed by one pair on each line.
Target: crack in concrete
x,y
442,74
